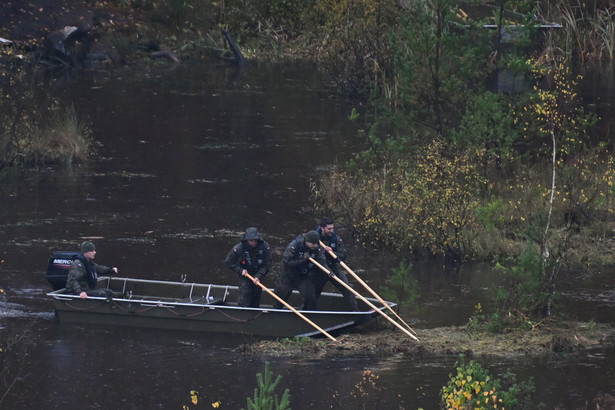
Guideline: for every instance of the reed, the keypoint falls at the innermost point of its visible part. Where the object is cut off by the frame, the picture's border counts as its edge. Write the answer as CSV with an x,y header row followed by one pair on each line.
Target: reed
x,y
589,30
575,39
63,141
605,30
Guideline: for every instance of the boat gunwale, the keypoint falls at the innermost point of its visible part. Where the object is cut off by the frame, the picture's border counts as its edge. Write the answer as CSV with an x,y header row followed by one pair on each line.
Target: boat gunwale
x,y
58,295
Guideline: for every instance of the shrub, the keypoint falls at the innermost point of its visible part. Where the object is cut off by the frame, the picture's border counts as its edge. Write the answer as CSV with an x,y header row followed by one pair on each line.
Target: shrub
x,y
472,387
353,42
426,206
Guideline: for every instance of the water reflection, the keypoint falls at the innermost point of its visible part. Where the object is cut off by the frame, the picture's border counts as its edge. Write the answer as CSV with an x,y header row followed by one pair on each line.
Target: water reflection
x,y
186,161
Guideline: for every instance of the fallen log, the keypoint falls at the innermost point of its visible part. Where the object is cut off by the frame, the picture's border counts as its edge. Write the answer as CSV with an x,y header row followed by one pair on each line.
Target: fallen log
x,y
239,59
166,54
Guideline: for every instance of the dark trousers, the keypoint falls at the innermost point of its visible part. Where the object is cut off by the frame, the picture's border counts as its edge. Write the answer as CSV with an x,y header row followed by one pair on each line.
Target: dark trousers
x,y
249,294
320,280
285,286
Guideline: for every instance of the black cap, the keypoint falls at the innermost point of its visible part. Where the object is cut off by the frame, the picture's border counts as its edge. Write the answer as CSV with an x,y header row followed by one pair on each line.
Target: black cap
x,y
87,246
312,237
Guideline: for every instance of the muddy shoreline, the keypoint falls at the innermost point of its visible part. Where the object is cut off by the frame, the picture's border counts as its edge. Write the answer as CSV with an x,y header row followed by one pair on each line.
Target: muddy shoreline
x,y
551,338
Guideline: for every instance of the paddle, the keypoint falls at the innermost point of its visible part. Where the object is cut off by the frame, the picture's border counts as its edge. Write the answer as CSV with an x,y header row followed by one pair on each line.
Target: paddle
x,y
370,304
354,275
321,330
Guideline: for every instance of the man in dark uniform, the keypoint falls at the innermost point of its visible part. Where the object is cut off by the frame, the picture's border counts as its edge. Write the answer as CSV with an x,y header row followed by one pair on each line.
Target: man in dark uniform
x,y
252,256
296,269
333,243
83,274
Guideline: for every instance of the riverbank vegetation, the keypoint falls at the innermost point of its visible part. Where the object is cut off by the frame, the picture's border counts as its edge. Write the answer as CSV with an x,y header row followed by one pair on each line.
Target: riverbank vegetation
x,y
551,337
35,130
464,165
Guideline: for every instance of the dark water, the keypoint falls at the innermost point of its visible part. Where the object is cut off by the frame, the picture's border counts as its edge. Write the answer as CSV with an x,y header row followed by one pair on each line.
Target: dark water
x,y
187,159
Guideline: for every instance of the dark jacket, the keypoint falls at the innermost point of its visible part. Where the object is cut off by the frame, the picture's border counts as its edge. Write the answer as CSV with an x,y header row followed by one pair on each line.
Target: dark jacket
x,y
337,246
257,261
83,274
295,263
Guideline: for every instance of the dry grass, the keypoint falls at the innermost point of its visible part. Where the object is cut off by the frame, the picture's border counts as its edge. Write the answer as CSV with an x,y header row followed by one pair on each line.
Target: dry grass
x,y
64,141
589,30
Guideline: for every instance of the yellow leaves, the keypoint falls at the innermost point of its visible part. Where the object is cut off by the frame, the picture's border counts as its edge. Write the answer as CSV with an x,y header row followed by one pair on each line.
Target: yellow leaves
x,y
194,396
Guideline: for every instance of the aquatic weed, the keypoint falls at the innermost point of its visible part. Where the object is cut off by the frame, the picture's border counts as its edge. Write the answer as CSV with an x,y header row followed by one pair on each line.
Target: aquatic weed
x,y
366,394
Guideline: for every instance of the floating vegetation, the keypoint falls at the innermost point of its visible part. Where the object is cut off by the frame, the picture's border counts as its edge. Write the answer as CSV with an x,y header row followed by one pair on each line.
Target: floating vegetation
x,y
188,235
547,338
208,181
137,240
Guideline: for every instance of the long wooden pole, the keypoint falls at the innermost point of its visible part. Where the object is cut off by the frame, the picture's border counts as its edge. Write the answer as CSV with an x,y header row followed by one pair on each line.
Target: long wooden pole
x,y
321,330
370,304
369,289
